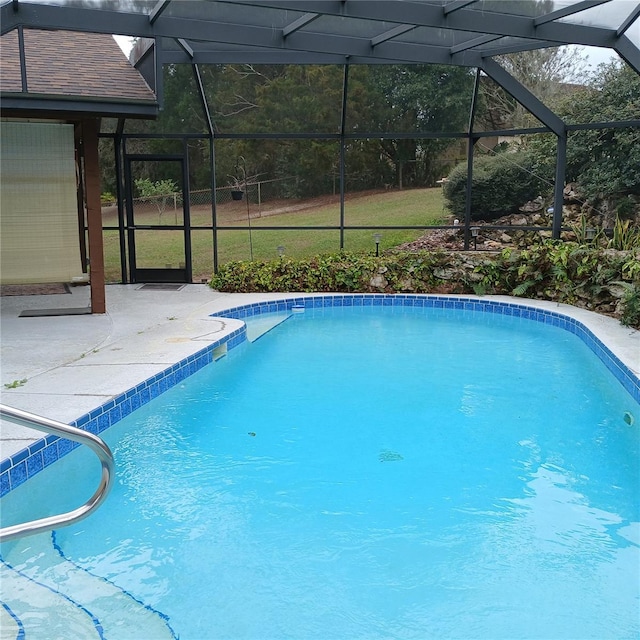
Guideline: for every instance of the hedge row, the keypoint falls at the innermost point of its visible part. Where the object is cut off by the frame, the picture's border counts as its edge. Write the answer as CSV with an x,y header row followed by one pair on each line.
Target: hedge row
x,y
602,280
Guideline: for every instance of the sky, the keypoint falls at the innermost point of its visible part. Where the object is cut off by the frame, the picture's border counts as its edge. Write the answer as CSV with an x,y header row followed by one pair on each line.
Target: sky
x,y
125,43
597,55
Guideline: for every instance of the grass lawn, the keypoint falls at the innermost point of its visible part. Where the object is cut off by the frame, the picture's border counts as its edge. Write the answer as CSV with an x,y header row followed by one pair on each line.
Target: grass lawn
x,y
162,248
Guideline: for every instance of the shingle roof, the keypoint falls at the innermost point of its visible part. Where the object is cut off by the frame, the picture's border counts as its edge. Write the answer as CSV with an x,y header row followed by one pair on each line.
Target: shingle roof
x,y
67,65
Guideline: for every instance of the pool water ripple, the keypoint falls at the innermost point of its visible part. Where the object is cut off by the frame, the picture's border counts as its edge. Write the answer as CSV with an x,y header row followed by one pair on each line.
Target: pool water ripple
x,y
375,473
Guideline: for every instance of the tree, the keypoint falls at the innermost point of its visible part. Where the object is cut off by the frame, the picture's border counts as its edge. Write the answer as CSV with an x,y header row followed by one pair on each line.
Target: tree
x,y
547,73
158,193
417,99
299,99
307,99
605,163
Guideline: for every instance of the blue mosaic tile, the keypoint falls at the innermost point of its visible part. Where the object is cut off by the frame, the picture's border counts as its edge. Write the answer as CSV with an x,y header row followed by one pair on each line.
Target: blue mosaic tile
x,y
65,446
35,463
92,427
115,415
103,422
5,483
145,395
82,420
50,454
18,474
154,391
125,407
135,401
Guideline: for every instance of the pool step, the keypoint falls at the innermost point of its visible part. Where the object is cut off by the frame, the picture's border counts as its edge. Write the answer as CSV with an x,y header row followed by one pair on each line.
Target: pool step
x,y
9,627
258,325
48,594
40,613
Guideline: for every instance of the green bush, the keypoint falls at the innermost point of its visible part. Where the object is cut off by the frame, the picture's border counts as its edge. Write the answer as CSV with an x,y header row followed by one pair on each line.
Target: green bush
x,y
631,310
501,184
599,279
605,163
107,199
340,272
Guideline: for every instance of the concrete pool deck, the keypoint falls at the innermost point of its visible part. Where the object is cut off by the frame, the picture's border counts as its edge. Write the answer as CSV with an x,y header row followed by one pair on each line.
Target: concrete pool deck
x,y
75,363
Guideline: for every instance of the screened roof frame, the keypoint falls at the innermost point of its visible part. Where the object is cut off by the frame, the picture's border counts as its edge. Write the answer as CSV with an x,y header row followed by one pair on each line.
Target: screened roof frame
x,y
468,33
327,31
458,32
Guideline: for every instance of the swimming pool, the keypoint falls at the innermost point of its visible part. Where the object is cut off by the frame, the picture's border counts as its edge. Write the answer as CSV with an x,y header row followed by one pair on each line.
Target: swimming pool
x,y
376,505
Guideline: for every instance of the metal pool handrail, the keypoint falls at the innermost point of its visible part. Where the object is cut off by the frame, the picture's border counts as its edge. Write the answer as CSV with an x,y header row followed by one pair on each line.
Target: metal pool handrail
x,y
97,445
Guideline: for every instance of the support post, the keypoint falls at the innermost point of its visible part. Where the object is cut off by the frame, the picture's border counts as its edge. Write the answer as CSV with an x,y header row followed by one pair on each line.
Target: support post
x,y
558,191
214,210
90,130
343,117
122,240
212,160
467,206
470,148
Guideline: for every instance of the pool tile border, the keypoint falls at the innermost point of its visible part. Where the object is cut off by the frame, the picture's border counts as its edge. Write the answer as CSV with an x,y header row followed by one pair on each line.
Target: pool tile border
x,y
26,463
29,461
519,310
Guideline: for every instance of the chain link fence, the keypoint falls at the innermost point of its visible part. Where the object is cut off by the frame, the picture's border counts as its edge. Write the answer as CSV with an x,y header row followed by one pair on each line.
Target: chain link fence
x,y
258,192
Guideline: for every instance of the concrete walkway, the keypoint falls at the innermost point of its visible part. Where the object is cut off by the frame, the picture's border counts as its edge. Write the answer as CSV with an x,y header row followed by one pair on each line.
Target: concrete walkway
x,y
73,364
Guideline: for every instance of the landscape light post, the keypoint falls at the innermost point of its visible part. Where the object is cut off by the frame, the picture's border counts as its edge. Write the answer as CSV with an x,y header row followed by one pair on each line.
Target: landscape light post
x,y
474,235
377,237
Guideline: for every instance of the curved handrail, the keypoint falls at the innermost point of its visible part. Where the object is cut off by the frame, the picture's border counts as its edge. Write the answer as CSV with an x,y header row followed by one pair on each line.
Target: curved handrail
x,y
97,445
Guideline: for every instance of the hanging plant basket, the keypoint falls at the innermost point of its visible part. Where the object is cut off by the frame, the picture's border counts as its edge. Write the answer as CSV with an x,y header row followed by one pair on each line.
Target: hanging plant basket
x,y
236,194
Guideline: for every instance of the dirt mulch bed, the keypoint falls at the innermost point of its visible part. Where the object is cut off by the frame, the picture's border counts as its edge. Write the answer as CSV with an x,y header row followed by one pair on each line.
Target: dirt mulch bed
x,y
33,289
445,239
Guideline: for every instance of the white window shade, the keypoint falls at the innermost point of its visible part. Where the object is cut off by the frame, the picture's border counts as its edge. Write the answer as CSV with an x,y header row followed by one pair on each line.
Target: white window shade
x,y
38,207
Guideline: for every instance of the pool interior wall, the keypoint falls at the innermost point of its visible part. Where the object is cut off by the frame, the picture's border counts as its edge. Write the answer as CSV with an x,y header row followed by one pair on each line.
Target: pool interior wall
x,y
18,468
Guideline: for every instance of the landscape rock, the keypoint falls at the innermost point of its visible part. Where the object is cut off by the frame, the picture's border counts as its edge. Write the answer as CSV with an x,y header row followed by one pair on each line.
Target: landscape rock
x,y
378,282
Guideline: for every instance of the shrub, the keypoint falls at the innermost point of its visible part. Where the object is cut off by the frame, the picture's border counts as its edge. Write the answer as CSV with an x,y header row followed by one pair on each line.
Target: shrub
x,y
107,199
605,163
339,272
599,279
631,307
501,184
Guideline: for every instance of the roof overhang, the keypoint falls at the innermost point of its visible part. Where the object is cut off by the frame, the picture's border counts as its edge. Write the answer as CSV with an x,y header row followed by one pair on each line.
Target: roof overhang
x,y
15,105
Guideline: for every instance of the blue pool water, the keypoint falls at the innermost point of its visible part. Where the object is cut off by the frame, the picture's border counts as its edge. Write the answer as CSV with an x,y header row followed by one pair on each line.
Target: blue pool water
x,y
374,473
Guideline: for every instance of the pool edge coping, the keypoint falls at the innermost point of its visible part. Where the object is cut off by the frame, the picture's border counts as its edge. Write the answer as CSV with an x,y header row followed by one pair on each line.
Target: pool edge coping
x,y
21,466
